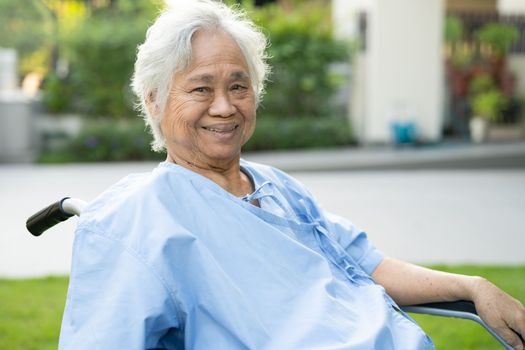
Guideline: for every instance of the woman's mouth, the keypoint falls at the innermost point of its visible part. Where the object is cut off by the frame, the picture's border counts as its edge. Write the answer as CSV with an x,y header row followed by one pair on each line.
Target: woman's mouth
x,y
222,133
221,129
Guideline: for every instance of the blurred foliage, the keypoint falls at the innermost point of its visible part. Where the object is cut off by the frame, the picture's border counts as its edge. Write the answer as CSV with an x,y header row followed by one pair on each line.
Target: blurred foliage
x,y
36,28
274,133
460,53
481,83
453,29
24,26
57,95
499,37
124,140
302,48
489,105
486,98
297,111
478,73
101,53
491,40
104,140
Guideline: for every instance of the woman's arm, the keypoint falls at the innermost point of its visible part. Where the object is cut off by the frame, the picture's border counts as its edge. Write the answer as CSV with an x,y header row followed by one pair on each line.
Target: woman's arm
x,y
411,284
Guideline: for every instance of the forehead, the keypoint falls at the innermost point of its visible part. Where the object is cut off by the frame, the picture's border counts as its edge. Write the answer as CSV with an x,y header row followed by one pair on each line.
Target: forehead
x,y
216,50
196,76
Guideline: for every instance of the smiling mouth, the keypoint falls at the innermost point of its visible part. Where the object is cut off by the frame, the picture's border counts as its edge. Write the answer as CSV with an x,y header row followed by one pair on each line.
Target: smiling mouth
x,y
221,130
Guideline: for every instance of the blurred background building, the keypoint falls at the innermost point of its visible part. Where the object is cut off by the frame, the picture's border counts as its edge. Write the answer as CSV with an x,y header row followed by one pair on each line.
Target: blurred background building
x,y
345,73
419,67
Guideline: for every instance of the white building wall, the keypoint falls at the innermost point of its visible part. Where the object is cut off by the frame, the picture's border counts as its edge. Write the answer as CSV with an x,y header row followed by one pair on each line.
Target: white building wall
x,y
346,26
516,7
400,75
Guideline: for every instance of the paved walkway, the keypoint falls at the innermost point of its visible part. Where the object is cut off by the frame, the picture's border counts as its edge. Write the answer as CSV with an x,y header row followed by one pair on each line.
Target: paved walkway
x,y
457,155
429,216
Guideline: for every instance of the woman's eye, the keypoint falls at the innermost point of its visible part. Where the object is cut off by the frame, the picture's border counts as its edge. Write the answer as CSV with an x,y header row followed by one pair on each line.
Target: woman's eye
x,y
200,89
238,87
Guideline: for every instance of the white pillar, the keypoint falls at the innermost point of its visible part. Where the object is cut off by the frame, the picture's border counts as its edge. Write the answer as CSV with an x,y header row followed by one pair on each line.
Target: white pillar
x,y
16,120
8,76
399,76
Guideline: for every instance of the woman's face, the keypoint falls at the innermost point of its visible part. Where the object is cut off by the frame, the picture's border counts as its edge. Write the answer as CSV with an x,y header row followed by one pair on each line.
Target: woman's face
x,y
210,112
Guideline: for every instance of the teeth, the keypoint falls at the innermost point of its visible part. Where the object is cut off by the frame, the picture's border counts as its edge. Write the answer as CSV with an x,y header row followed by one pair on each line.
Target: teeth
x,y
217,130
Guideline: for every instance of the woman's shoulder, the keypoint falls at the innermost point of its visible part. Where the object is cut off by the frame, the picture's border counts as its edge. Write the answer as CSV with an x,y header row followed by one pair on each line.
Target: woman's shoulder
x,y
133,196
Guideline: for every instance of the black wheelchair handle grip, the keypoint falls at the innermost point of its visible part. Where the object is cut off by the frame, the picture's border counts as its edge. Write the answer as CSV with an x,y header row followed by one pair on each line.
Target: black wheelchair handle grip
x,y
47,218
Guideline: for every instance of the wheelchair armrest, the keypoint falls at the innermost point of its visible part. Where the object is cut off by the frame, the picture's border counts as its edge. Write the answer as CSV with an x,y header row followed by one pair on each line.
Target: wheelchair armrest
x,y
458,306
458,309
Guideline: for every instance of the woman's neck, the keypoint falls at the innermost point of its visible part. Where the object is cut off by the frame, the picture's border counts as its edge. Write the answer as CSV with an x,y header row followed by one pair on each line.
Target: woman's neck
x,y
229,175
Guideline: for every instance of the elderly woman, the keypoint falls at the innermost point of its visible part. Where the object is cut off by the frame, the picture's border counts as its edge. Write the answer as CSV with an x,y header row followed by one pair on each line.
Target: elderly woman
x,y
209,251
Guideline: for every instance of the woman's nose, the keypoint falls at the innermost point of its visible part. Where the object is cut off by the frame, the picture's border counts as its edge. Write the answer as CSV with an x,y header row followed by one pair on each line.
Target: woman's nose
x,y
222,106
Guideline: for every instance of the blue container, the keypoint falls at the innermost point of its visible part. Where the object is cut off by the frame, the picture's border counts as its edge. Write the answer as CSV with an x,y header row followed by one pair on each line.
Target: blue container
x,y
404,133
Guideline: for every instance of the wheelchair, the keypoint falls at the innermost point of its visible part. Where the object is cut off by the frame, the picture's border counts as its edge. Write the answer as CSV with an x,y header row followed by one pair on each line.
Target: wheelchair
x,y
67,207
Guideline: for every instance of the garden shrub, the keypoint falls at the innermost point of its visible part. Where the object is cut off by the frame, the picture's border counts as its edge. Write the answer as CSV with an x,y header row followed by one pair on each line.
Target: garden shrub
x,y
105,140
102,64
24,27
302,48
296,112
128,140
274,133
101,53
57,95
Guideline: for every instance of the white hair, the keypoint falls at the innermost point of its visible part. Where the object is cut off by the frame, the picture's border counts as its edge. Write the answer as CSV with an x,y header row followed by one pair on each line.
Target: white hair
x,y
167,50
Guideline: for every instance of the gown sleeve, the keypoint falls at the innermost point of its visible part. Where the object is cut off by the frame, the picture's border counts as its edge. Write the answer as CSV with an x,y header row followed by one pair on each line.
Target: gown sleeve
x,y
115,300
354,241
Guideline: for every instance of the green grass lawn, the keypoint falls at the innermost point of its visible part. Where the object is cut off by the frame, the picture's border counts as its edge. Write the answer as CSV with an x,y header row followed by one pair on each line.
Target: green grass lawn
x,y
31,311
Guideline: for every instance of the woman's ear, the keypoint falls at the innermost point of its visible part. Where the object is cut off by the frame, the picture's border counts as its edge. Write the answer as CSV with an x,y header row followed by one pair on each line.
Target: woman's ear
x,y
152,106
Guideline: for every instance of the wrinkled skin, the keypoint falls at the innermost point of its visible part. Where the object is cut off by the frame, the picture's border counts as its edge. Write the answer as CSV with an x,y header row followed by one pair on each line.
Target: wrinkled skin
x,y
210,111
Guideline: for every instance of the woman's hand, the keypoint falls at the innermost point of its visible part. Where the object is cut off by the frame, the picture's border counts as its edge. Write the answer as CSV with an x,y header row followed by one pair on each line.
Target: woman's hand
x,y
410,284
504,314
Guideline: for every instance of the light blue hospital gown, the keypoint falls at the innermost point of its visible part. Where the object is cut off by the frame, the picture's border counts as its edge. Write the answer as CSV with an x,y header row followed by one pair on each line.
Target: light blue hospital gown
x,y
170,260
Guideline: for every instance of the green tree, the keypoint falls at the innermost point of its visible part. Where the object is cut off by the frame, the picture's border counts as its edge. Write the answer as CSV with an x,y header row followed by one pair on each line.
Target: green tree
x,y
101,52
24,26
302,48
35,28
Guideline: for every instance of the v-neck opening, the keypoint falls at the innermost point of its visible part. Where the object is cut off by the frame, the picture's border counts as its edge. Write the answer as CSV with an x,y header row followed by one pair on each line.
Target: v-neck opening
x,y
264,214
